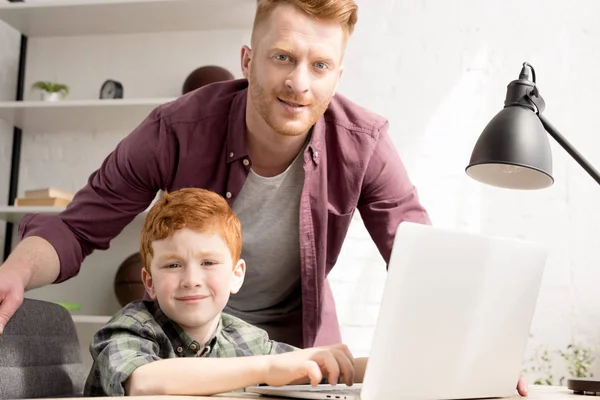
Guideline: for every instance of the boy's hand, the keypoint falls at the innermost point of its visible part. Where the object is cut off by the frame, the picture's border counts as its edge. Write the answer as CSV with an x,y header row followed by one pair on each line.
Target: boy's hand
x,y
310,365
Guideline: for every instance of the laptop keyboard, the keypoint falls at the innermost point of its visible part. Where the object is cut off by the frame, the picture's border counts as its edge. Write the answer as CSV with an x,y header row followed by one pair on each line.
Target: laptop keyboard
x,y
354,391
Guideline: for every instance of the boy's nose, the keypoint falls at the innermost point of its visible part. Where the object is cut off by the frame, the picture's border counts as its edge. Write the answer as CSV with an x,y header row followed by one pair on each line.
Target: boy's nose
x,y
192,277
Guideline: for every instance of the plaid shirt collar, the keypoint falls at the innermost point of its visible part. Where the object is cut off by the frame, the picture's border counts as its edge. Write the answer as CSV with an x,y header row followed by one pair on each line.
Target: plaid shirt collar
x,y
183,344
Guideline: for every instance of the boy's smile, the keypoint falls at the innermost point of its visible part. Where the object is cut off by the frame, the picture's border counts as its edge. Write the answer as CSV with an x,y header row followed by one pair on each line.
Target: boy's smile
x,y
192,276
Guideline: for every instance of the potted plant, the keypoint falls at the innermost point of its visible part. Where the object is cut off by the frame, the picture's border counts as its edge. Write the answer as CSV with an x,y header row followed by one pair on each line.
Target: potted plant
x,y
51,91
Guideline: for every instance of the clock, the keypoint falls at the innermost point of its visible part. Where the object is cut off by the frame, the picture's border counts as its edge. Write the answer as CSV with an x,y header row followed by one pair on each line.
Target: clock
x,y
111,90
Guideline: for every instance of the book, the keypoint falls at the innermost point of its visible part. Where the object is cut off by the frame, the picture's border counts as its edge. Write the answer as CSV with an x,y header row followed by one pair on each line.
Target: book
x,y
48,201
49,193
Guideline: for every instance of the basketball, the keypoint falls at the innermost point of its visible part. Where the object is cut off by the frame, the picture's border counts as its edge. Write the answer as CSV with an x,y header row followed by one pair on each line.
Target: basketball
x,y
128,283
203,76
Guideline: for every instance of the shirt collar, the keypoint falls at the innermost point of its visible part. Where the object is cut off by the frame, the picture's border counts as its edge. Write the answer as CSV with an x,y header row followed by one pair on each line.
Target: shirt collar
x,y
184,344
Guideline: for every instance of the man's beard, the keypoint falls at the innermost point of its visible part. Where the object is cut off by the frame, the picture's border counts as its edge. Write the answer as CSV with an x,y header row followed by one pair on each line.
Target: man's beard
x,y
263,103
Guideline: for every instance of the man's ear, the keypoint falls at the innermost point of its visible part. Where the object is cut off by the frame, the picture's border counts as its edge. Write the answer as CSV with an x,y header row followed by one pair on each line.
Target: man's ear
x,y
338,79
238,274
147,279
246,58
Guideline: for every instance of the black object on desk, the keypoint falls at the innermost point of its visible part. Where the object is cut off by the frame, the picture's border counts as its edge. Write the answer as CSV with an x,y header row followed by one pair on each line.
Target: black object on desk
x,y
584,386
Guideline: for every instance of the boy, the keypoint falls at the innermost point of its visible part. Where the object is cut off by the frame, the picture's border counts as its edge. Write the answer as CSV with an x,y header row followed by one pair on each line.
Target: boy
x,y
181,343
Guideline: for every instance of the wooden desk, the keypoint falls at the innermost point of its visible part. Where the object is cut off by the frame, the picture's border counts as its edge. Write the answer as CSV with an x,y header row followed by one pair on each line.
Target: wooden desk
x,y
535,393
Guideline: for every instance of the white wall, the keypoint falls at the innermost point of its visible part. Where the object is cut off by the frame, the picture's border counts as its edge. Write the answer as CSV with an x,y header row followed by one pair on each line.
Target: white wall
x,y
438,70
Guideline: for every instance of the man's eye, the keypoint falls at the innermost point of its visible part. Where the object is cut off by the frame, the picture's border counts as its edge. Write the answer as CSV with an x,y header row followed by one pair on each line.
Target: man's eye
x,y
321,65
281,57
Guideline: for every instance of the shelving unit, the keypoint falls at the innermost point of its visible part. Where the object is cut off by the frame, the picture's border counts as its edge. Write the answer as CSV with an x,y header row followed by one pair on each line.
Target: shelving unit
x,y
91,319
98,17
14,214
101,17
69,115
70,18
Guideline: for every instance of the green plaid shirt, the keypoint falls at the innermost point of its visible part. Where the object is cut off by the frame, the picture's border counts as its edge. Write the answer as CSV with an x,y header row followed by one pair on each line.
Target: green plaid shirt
x,y
141,333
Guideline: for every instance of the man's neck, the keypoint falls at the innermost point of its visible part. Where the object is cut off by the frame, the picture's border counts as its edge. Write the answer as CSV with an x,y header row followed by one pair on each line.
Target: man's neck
x,y
272,153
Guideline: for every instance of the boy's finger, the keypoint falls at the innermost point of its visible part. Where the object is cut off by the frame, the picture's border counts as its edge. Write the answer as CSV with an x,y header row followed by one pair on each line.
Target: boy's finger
x,y
346,367
314,372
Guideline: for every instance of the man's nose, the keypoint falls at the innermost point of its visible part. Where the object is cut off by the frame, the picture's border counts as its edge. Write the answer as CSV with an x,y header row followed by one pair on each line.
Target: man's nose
x,y
299,79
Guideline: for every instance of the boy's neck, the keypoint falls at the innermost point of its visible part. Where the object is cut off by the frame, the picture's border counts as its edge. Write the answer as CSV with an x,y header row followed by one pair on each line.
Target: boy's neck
x,y
202,334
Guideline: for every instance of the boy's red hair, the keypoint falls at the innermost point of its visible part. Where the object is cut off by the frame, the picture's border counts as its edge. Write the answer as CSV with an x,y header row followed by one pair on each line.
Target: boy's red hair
x,y
196,209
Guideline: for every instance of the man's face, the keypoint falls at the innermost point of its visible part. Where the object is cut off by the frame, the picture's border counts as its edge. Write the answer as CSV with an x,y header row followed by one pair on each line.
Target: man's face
x,y
293,69
192,275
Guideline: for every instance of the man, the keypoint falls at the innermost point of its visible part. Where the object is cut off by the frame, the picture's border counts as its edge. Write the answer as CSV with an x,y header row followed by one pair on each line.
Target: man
x,y
293,159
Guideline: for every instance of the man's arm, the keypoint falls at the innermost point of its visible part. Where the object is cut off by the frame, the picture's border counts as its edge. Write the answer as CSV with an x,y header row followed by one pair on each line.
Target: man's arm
x,y
388,197
122,187
54,246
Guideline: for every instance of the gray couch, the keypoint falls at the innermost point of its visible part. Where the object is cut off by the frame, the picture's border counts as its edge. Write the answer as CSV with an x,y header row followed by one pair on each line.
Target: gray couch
x,y
39,353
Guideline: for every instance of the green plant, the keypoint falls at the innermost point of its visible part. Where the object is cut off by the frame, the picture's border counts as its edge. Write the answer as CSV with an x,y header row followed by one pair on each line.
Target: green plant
x,y
541,366
579,361
51,87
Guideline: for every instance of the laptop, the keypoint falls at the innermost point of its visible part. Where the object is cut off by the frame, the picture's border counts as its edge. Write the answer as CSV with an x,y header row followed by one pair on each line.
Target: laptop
x,y
454,319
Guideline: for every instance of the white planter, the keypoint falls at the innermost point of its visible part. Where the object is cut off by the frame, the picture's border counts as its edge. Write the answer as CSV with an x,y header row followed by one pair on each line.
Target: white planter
x,y
51,96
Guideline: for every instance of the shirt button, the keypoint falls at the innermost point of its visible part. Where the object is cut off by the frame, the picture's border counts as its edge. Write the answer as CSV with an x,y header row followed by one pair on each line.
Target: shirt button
x,y
246,162
193,346
228,195
231,155
180,349
316,154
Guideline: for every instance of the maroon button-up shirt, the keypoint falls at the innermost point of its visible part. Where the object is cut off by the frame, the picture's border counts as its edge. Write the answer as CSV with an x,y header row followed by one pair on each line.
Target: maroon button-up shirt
x,y
198,140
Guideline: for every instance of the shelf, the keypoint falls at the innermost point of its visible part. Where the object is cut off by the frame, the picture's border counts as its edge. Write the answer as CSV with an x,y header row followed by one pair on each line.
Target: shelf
x,y
14,214
78,115
102,17
91,319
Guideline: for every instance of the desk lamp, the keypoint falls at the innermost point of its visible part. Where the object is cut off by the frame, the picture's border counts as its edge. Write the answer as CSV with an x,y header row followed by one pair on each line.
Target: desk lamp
x,y
513,152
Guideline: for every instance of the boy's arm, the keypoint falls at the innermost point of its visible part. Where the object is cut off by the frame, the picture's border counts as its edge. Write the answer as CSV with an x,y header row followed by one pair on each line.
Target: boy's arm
x,y
208,376
197,376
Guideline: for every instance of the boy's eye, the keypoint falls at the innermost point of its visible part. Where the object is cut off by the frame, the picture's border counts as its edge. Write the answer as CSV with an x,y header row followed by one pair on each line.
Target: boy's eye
x,y
209,263
173,265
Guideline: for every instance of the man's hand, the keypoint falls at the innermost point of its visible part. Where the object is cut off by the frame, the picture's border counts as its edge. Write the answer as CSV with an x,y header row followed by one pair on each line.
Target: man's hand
x,y
309,365
522,387
33,263
12,289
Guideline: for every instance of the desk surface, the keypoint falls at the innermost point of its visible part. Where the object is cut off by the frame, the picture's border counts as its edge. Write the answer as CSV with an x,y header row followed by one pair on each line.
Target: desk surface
x,y
535,393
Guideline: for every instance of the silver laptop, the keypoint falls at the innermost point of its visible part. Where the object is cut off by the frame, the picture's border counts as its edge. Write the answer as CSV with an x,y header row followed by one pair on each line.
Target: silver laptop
x,y
454,319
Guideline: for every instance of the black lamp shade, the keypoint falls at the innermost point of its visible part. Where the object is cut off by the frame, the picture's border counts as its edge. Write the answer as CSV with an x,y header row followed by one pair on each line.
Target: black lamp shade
x,y
513,152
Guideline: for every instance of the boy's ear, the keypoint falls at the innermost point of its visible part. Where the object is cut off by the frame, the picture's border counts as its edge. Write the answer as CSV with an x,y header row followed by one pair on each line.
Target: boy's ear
x,y
147,279
238,274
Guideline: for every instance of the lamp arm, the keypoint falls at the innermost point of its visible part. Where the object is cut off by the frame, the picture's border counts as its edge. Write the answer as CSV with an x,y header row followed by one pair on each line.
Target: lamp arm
x,y
570,149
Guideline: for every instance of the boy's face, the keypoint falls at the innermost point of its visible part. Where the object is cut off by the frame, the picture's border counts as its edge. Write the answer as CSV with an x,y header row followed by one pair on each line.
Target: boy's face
x,y
192,277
